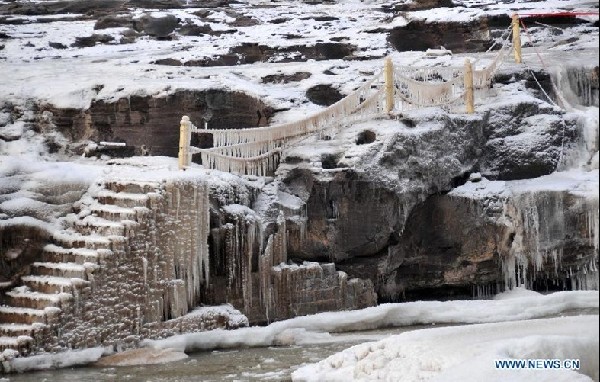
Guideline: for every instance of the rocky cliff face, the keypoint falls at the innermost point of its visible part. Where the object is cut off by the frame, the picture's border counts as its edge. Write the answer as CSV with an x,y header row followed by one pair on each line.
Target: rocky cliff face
x,y
150,125
427,204
386,215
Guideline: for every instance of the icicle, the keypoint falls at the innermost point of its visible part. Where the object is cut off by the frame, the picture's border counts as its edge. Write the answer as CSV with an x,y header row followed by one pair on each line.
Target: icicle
x,y
145,270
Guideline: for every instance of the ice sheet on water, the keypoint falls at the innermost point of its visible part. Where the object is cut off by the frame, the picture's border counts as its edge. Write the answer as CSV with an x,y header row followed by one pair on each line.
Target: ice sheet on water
x,y
467,353
54,361
386,315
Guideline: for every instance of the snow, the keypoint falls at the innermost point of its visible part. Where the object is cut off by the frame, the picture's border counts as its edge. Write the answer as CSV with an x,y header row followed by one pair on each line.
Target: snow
x,y
28,311
56,297
293,266
316,327
468,353
573,181
236,318
53,361
238,209
126,70
12,341
519,292
62,281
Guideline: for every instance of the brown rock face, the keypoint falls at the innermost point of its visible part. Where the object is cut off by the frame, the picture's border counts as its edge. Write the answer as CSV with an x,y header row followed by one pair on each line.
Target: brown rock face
x,y
448,246
445,249
457,37
151,124
347,218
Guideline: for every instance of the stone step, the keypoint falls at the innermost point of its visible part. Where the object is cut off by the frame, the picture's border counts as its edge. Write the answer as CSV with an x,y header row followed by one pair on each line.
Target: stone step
x,y
16,315
69,239
132,187
67,270
55,254
92,225
52,284
118,214
123,199
15,330
20,343
37,300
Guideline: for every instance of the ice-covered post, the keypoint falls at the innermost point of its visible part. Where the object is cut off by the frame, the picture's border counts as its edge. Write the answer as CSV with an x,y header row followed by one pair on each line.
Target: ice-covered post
x,y
185,135
469,97
388,72
516,38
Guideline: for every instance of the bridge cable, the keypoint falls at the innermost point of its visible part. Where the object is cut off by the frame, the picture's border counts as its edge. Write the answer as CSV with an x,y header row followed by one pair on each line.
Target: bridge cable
x,y
554,87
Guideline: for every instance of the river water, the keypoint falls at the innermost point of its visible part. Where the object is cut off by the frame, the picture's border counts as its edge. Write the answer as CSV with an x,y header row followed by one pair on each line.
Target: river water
x,y
274,363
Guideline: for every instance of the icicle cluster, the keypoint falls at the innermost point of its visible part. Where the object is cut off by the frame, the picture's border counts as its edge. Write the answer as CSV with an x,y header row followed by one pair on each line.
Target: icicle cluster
x,y
275,253
429,75
192,253
265,263
425,94
482,78
260,165
485,291
539,223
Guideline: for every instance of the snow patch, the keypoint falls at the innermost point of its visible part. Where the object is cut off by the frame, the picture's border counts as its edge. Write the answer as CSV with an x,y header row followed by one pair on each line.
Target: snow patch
x,y
53,361
467,354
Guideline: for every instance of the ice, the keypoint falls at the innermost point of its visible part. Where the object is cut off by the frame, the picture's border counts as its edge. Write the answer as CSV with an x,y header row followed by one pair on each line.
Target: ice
x,y
468,353
52,361
576,86
236,318
518,292
515,308
534,210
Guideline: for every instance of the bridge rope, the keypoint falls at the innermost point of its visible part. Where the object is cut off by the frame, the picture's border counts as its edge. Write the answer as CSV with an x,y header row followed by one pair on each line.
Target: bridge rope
x,y
257,151
225,137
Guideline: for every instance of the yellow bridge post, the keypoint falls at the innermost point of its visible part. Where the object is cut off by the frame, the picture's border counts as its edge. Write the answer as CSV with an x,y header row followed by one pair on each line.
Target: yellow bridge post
x,y
516,37
185,135
469,96
388,72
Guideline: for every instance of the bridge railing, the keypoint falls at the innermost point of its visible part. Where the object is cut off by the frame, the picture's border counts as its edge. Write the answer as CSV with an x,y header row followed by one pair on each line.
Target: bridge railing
x,y
257,151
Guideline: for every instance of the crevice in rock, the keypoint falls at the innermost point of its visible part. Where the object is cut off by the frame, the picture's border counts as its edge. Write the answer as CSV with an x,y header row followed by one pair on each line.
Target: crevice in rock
x,y
324,95
365,137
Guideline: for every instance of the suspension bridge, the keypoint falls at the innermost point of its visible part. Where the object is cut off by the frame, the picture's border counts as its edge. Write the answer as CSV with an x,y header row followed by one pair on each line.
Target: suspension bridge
x,y
257,151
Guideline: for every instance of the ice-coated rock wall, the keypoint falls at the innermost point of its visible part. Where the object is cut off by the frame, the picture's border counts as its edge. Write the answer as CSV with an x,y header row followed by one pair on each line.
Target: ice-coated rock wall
x,y
153,274
578,85
544,227
140,255
251,271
